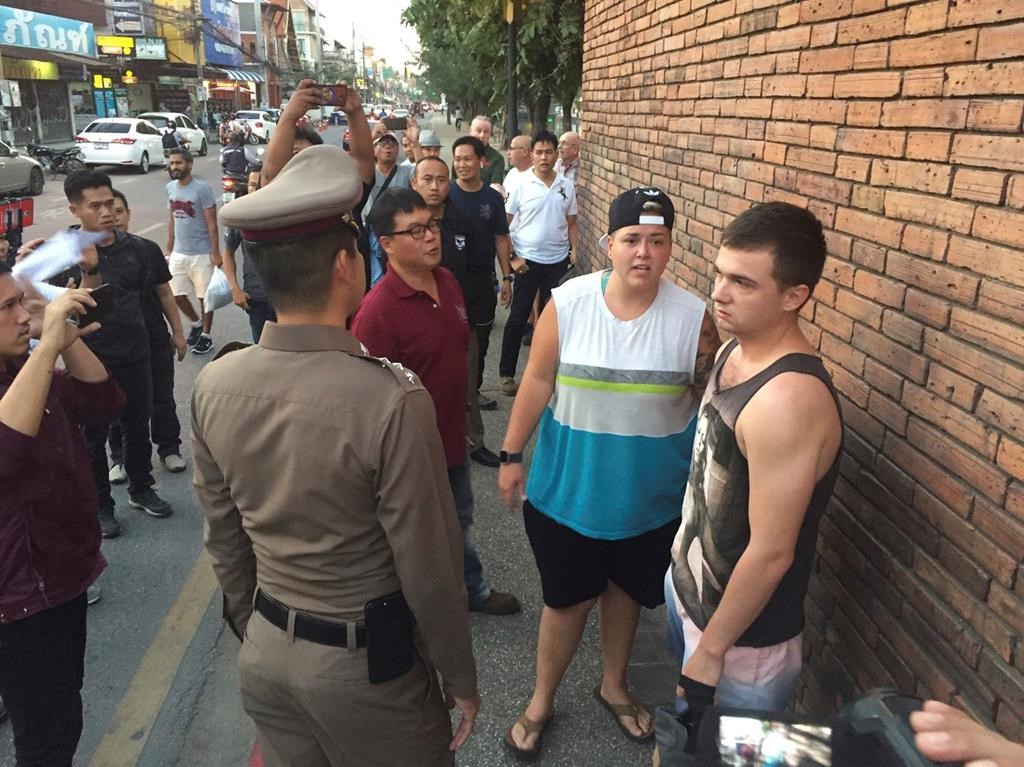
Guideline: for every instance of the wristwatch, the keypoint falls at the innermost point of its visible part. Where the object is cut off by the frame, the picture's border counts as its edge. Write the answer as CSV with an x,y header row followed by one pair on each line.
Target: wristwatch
x,y
506,457
93,272
508,277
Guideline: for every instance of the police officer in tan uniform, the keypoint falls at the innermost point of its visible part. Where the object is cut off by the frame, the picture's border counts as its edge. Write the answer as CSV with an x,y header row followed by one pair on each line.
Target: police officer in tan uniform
x,y
329,518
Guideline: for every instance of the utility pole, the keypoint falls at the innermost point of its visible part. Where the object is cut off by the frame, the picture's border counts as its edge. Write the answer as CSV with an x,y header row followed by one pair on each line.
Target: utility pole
x,y
318,64
197,40
513,14
261,49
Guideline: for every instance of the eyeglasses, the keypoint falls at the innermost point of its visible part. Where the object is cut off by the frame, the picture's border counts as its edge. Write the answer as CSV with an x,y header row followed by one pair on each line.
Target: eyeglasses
x,y
418,231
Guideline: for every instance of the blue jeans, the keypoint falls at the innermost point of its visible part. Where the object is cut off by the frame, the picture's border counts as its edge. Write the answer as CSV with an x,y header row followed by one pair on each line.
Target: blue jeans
x,y
260,312
760,678
462,492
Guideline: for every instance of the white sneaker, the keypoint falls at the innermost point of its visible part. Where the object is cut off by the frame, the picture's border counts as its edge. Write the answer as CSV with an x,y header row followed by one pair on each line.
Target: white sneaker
x,y
174,462
118,476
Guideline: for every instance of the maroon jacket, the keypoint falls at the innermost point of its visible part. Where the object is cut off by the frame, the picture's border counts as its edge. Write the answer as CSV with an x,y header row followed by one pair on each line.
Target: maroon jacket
x,y
49,531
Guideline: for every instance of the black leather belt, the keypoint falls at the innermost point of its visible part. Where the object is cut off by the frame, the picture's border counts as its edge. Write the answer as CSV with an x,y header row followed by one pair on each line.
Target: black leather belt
x,y
308,627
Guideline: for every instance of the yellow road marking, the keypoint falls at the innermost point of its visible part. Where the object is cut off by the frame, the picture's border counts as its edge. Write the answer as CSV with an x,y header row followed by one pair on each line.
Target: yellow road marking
x,y
133,721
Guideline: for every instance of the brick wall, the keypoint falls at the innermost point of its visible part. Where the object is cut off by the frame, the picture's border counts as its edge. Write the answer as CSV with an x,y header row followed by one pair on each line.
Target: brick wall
x,y
899,125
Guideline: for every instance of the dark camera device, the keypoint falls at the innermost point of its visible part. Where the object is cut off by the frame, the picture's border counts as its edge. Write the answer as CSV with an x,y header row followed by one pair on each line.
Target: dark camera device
x,y
333,95
104,298
873,730
396,123
389,646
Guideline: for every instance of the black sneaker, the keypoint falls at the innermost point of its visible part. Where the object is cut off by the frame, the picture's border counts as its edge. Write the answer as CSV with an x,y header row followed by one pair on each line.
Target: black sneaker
x,y
150,502
204,345
193,335
485,457
498,603
486,403
109,527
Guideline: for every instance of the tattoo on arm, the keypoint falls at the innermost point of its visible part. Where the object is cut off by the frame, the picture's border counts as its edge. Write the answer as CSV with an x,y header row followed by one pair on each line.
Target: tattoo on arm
x,y
707,349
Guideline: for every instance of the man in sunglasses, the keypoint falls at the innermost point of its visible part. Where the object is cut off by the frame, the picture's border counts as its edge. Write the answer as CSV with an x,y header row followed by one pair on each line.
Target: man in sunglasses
x,y
416,316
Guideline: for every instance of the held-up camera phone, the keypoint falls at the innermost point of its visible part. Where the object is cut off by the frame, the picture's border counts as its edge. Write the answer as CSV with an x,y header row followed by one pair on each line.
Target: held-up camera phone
x,y
396,123
104,298
333,95
874,730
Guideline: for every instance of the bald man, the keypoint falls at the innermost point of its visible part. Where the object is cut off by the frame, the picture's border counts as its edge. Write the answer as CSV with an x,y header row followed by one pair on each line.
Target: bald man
x,y
493,168
520,161
568,163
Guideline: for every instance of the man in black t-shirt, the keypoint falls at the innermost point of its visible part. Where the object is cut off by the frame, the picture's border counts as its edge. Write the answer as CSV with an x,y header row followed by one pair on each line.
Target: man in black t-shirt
x,y
158,309
486,210
122,344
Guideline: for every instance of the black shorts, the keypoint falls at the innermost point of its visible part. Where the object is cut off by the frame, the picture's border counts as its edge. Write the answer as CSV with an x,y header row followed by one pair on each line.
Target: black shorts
x,y
574,568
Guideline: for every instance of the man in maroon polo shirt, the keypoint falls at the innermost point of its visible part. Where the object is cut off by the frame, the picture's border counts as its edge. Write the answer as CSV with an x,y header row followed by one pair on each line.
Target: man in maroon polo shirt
x,y
416,316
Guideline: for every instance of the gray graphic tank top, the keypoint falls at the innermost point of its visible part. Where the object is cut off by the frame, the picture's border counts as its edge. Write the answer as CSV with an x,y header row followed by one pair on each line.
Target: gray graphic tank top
x,y
716,527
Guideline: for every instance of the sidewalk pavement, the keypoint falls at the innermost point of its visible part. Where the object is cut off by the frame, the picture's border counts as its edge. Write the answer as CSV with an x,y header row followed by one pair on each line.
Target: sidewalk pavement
x,y
583,732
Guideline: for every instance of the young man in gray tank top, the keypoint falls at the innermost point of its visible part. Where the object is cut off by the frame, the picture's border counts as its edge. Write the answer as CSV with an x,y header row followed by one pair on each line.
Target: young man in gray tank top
x,y
765,461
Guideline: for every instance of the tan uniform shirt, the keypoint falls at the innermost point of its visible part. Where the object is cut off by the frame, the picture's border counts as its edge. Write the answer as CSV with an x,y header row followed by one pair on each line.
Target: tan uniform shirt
x,y
322,479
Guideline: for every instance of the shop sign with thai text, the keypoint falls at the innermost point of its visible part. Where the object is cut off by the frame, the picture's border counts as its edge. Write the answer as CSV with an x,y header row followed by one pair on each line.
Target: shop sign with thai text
x,y
28,29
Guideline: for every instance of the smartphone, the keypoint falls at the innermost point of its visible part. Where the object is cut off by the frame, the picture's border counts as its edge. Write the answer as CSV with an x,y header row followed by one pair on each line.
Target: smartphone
x,y
389,646
761,739
104,298
396,123
333,95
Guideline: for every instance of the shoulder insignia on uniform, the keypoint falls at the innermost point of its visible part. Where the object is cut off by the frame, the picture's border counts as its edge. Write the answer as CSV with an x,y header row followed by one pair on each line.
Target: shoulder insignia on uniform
x,y
405,376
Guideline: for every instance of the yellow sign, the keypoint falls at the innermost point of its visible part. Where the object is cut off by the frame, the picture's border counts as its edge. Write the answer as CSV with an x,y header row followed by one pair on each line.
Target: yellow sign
x,y
129,78
115,45
28,69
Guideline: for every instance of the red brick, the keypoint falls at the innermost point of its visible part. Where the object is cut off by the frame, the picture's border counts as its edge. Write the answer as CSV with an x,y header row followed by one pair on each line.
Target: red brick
x,y
784,85
794,38
885,143
883,379
823,136
979,365
1011,457
823,34
989,151
898,357
788,132
923,177
984,79
1000,225
937,113
1002,301
935,476
1001,337
925,241
982,186
871,56
1015,499
977,472
1006,530
888,412
969,12
820,187
822,10
995,115
928,145
927,308
1006,264
942,48
869,227
937,279
850,385
827,59
1005,681
876,85
877,26
864,114
964,426
923,82
842,353
946,214
903,329
858,168
927,17
860,309
761,20
1003,42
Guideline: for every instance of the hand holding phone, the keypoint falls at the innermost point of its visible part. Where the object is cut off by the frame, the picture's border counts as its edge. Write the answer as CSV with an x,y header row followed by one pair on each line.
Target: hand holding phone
x,y
334,95
104,298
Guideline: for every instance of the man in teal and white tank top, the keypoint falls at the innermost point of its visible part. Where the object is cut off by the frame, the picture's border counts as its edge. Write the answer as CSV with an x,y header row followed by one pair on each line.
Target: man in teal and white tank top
x,y
617,368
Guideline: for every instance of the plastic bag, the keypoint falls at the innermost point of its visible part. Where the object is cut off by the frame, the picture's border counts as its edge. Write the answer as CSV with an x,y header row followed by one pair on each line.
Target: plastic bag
x,y
218,292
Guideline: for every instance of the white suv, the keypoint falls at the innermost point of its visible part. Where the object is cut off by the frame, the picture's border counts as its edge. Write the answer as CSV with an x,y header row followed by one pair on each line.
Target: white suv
x,y
261,124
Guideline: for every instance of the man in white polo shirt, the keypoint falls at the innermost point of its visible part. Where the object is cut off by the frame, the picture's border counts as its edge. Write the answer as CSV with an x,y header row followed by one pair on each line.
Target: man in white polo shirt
x,y
542,224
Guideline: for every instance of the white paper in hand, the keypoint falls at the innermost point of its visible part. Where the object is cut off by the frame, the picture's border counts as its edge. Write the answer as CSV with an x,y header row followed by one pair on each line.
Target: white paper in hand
x,y
60,252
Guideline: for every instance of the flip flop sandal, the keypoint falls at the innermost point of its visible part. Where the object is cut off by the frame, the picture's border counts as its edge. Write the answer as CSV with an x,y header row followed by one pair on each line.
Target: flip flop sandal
x,y
530,726
619,710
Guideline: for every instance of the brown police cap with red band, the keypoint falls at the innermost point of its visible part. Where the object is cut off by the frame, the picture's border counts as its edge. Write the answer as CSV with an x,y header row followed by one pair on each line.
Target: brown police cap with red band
x,y
312,192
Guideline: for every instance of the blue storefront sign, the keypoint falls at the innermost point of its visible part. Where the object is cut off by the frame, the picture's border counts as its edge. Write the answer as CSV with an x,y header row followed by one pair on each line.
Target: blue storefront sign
x,y
28,29
222,37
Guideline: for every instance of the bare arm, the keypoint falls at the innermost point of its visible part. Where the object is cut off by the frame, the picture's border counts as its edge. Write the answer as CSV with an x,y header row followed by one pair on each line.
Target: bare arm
x,y
535,390
503,247
210,214
784,457
170,233
573,243
360,141
170,311
707,352
279,150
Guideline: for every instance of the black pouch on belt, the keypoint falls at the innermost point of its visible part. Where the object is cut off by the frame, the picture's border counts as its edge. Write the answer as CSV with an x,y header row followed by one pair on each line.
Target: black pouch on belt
x,y
389,646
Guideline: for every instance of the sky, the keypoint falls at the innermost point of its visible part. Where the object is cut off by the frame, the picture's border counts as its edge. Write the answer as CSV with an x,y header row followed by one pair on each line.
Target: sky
x,y
378,22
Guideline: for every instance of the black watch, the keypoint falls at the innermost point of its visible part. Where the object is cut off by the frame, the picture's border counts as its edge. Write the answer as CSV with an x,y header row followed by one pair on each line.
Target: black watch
x,y
506,457
93,272
508,277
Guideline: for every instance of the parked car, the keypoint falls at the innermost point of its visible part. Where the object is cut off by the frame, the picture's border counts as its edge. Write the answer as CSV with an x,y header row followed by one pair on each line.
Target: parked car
x,y
400,113
19,174
121,141
260,122
183,124
275,114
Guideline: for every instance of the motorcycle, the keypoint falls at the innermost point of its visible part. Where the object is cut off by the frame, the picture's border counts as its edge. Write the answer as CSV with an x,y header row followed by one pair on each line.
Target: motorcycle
x,y
65,161
235,185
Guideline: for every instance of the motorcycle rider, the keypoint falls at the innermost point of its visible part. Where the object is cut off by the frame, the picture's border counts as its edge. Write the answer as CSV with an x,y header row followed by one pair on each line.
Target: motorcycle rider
x,y
232,158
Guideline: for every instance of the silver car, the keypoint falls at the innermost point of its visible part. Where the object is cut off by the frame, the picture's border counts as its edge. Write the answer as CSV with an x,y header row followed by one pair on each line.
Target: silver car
x,y
19,174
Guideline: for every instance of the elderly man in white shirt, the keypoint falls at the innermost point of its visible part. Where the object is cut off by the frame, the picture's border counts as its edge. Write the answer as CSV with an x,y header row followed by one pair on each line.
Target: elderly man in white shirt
x,y
568,163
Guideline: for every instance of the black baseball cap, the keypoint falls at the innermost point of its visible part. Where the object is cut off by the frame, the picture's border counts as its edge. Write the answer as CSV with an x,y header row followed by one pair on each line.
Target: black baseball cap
x,y
642,205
